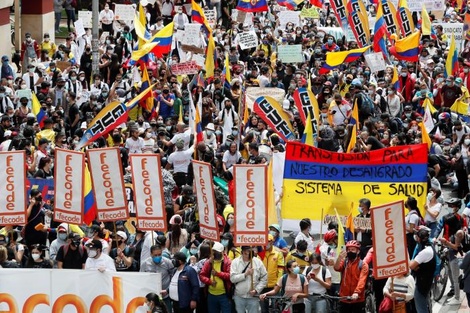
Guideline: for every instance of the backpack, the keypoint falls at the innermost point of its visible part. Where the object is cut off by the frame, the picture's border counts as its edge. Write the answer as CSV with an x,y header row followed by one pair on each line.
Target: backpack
x,y
73,3
66,250
465,243
367,105
323,271
421,220
284,281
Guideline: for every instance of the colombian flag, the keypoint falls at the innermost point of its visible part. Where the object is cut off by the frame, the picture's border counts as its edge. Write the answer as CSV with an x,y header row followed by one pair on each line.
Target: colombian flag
x,y
335,59
226,76
380,32
210,57
90,211
354,120
317,3
395,81
426,27
307,137
252,5
197,16
40,114
452,63
406,49
164,39
146,102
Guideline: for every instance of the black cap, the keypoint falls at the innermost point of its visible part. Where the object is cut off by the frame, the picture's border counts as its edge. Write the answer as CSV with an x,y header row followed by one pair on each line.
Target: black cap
x,y
96,244
180,256
43,141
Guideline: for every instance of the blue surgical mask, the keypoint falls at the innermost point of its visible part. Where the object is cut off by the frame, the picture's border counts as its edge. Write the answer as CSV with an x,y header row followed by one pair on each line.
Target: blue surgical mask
x,y
157,259
273,233
330,41
224,242
296,270
360,210
193,251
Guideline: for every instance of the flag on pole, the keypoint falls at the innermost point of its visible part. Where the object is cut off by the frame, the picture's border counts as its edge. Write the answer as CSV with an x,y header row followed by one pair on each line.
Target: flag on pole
x,y
141,25
226,75
252,5
452,63
426,27
354,120
210,57
146,102
37,111
307,137
427,118
341,243
380,33
272,210
404,18
90,211
335,59
406,49
197,16
425,135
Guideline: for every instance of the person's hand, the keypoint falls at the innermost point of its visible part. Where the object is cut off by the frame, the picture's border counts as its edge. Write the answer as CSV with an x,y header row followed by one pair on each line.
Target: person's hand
x,y
343,254
253,293
214,283
102,269
294,297
214,273
32,201
249,272
164,293
193,304
262,296
330,262
355,296
192,259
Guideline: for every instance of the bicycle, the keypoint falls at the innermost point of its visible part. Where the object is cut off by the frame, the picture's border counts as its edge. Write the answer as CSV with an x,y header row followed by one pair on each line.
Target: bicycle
x,y
333,301
440,281
279,304
370,306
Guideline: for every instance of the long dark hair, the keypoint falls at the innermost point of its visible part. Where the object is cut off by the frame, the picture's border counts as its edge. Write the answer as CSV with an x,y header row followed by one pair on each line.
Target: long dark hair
x,y
176,231
152,297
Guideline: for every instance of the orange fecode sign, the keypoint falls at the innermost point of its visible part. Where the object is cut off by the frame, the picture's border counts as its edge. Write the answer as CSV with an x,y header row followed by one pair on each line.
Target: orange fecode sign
x,y
115,302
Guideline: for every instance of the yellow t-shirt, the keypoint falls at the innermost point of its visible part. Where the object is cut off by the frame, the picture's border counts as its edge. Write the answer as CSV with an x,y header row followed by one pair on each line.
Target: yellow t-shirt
x,y
49,46
219,288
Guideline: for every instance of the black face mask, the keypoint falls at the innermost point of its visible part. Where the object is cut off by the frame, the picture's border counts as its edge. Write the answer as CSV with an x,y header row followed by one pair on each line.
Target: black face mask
x,y
76,243
175,263
352,256
38,198
217,255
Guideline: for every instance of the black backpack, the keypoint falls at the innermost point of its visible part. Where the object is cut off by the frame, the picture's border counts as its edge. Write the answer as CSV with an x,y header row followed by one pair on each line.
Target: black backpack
x,y
323,271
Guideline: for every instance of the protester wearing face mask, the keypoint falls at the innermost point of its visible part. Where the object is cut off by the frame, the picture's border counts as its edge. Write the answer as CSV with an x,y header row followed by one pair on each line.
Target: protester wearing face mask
x,y
106,17
354,275
153,304
62,235
304,234
230,250
319,282
6,70
433,208
364,235
97,260
72,255
37,258
330,45
279,242
123,254
293,285
30,50
31,78
184,293
209,137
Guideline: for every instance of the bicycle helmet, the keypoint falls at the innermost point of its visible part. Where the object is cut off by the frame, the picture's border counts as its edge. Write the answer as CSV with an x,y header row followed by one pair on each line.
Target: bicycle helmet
x,y
330,235
276,227
454,202
353,244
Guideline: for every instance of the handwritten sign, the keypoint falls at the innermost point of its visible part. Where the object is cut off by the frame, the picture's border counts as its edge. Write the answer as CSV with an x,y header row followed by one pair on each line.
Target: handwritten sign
x,y
359,222
290,53
188,68
211,17
86,17
103,37
375,61
124,12
309,13
452,28
248,40
191,35
289,17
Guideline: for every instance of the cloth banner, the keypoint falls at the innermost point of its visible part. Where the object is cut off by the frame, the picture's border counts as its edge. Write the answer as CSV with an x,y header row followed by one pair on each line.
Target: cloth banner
x,y
148,192
69,181
108,184
391,241
206,203
13,188
251,205
67,291
320,179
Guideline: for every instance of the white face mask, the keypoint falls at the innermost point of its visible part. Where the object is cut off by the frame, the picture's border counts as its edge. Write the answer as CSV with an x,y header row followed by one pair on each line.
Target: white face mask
x,y
35,256
315,266
148,135
467,142
23,86
92,254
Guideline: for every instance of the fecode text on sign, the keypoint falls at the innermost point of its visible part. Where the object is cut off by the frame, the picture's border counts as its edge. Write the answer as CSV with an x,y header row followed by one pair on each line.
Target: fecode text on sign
x,y
69,186
148,192
13,188
320,179
205,200
108,184
391,242
251,194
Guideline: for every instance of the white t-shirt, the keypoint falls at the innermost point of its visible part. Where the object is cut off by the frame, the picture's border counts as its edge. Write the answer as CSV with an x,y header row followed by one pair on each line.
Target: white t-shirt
x,y
174,286
435,208
134,146
412,218
231,159
314,287
424,255
104,261
329,253
186,136
180,160
341,113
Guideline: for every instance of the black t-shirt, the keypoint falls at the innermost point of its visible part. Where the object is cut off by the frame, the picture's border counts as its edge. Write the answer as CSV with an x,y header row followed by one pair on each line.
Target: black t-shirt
x,y
73,111
120,265
375,143
74,259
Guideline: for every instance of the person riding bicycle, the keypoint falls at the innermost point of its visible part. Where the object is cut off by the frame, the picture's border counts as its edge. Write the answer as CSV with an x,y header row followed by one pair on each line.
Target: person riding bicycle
x,y
354,277
423,267
292,285
453,225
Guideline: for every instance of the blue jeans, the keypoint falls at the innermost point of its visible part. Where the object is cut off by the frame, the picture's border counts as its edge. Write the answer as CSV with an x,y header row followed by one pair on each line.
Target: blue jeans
x,y
249,305
58,16
70,18
421,302
316,304
218,304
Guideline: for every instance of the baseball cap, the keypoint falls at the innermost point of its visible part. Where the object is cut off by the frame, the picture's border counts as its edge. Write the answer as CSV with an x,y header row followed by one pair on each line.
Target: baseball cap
x,y
218,247
96,244
121,234
43,141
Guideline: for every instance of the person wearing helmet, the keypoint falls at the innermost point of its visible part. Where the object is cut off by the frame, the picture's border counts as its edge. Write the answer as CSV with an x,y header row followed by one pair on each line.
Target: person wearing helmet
x,y
279,242
304,234
329,256
354,276
453,225
423,265
444,125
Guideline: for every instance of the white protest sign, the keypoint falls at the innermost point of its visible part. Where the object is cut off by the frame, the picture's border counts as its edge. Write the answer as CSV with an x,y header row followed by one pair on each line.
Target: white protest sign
x,y
185,68
211,17
453,28
248,40
289,17
253,93
86,17
13,188
388,229
248,18
200,59
69,180
148,192
251,201
191,35
108,184
375,61
431,5
290,53
79,28
206,200
124,12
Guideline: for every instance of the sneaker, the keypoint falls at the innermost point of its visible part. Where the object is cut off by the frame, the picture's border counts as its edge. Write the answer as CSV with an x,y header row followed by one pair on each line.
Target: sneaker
x,y
454,301
450,293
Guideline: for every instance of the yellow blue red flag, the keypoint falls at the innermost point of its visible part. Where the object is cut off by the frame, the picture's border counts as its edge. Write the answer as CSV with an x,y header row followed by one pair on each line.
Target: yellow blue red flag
x,y
406,49
252,5
335,59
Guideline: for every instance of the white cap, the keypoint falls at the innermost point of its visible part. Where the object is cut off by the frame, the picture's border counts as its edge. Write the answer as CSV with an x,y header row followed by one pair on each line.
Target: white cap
x,y
121,234
210,126
218,247
7,133
83,125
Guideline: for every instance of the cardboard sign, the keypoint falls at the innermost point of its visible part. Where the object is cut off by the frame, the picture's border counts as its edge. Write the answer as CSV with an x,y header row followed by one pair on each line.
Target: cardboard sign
x,y
289,17
124,12
391,240
211,17
108,184
251,201
187,68
453,28
69,186
248,40
86,17
206,200
359,222
309,13
13,188
62,65
375,61
79,28
193,49
191,35
148,192
290,53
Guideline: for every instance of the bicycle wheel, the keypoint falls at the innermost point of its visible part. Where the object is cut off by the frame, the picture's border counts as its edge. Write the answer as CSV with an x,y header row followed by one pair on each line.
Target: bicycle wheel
x,y
440,282
370,303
